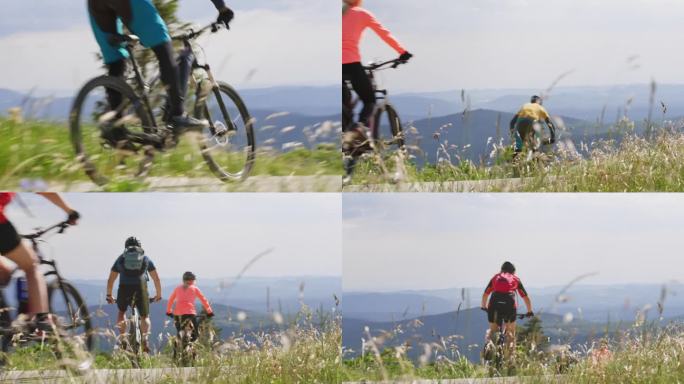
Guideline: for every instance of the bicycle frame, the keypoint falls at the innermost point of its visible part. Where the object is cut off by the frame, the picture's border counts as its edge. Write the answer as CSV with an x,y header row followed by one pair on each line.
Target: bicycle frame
x,y
51,263
144,87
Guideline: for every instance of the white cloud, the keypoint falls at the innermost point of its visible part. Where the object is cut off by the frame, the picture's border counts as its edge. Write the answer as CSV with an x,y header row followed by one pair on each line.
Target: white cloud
x,y
527,44
279,47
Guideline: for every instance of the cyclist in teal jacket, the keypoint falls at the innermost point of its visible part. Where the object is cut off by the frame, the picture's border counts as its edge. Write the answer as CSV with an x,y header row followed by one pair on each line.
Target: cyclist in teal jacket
x,y
107,17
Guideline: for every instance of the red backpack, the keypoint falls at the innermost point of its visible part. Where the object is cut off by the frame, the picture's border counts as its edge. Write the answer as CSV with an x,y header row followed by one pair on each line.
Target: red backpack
x,y
505,282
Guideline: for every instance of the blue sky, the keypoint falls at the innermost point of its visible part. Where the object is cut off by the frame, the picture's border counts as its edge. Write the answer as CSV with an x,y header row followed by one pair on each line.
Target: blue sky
x,y
432,241
52,46
529,43
214,235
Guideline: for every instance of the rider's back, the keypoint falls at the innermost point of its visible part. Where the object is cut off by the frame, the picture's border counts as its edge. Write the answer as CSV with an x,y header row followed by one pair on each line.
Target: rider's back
x,y
5,199
534,111
184,297
505,283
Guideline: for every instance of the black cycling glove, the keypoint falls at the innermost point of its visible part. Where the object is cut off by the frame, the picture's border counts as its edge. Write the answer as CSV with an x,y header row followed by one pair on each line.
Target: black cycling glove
x,y
405,57
210,315
225,16
73,217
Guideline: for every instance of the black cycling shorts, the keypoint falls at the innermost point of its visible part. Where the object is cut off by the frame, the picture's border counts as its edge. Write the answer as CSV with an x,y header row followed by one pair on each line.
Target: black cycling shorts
x,y
501,308
9,238
181,321
127,295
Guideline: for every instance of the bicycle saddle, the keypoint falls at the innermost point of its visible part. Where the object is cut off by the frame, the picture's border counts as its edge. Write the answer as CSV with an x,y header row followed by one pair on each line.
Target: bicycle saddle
x,y
116,39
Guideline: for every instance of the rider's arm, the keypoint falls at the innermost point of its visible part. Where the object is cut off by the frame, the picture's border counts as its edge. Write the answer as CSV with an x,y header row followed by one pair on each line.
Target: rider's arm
x,y
513,121
486,293
219,4
528,304
526,298
384,33
110,282
552,130
203,300
172,298
157,284
57,200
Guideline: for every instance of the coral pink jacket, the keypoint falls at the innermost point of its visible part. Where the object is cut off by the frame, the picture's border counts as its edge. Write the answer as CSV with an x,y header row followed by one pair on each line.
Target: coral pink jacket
x,y
354,22
185,300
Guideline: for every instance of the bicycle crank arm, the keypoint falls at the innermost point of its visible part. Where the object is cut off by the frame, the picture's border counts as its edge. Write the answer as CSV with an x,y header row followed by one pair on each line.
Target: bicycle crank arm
x,y
146,139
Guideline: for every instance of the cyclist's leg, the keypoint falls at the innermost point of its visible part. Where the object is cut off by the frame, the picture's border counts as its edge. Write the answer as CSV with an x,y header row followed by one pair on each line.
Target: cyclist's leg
x,y
347,113
104,22
25,258
142,302
492,318
364,88
523,128
150,27
123,301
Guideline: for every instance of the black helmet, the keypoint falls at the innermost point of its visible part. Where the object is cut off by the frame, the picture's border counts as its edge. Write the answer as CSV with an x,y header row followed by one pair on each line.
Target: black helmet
x,y
508,267
536,99
132,242
189,276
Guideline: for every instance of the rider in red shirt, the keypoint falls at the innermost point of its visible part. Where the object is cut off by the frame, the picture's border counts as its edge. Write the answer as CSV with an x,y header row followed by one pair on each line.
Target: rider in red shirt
x,y
184,297
355,20
502,307
25,258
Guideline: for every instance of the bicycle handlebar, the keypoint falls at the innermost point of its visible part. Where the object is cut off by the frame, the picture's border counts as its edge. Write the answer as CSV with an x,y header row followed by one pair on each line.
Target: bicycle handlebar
x,y
192,34
395,63
518,315
40,232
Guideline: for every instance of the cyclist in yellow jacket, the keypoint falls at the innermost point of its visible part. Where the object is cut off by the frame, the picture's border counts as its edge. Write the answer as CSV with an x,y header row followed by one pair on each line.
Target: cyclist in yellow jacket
x,y
522,124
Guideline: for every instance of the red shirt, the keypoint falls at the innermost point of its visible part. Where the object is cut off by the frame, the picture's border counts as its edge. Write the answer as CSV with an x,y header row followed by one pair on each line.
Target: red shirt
x,y
505,283
5,199
354,22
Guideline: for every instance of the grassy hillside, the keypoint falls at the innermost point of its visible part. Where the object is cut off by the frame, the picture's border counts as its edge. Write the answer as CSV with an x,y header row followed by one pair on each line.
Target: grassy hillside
x,y
304,351
42,150
641,354
623,161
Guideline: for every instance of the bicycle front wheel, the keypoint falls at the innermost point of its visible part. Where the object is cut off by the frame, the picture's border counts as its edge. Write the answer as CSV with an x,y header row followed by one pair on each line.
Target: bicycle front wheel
x,y
387,131
101,134
71,312
228,145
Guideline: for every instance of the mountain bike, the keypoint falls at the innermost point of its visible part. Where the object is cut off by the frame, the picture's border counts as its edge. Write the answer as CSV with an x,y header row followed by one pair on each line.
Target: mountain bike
x,y
133,341
185,343
538,143
119,143
69,312
495,351
385,116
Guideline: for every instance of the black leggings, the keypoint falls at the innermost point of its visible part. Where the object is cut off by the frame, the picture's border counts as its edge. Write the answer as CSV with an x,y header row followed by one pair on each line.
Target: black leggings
x,y
356,75
169,76
181,321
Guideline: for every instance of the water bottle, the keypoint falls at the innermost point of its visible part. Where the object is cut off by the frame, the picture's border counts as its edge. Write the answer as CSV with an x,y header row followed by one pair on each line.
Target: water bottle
x,y
22,295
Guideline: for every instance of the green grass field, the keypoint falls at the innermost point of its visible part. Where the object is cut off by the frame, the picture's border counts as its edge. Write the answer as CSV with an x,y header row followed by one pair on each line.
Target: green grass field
x,y
305,351
642,354
43,151
633,164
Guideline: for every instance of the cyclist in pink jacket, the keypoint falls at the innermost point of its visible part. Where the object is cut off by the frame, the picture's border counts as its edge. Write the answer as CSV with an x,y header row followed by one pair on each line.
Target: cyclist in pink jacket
x,y
184,296
355,20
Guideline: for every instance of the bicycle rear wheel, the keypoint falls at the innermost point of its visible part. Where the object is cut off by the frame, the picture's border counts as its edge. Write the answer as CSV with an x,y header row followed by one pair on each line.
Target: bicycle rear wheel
x,y
71,313
229,154
101,137
387,131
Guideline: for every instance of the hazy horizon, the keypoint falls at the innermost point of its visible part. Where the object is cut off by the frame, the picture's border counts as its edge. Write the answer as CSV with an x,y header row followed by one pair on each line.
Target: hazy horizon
x,y
266,39
434,241
475,44
214,235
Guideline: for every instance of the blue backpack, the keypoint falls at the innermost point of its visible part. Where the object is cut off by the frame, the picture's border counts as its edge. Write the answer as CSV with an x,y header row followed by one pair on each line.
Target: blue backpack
x,y
134,261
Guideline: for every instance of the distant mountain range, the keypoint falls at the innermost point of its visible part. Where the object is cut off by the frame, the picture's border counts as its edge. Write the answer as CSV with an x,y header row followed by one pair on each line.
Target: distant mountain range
x,y
598,303
575,316
468,326
248,295
582,103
